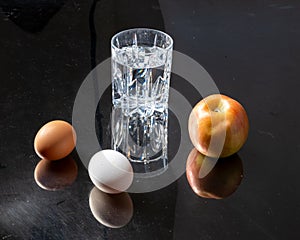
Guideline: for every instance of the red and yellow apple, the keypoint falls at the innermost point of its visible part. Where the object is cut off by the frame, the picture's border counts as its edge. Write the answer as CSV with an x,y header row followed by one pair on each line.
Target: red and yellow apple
x,y
223,179
218,126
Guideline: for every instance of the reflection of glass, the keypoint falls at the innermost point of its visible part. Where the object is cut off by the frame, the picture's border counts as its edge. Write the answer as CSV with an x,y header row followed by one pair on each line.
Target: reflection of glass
x,y
141,139
111,210
56,175
222,181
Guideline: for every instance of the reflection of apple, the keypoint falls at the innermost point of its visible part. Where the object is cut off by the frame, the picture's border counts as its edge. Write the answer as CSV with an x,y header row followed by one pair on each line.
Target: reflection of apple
x,y
223,179
215,120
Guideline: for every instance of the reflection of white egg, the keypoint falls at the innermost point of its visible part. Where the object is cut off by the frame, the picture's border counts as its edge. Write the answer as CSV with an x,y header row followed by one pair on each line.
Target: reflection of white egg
x,y
110,171
111,210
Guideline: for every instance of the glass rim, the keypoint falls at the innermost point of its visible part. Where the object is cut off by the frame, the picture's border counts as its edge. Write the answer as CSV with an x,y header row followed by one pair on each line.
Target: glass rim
x,y
141,29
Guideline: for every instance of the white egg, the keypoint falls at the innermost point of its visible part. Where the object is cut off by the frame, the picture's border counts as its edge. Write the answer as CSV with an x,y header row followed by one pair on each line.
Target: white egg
x,y
110,171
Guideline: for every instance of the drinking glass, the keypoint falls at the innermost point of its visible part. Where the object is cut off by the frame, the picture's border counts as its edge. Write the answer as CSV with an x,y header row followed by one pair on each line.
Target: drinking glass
x,y
141,70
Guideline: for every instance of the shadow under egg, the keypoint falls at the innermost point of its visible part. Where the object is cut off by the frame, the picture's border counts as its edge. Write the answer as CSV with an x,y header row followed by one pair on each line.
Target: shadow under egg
x,y
111,210
55,175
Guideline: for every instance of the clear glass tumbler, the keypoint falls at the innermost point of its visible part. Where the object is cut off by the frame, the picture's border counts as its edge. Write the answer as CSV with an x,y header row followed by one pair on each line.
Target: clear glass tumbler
x,y
141,70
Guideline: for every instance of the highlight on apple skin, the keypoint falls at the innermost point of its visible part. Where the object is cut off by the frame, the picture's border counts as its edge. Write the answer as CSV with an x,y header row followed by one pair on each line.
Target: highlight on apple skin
x,y
218,126
222,181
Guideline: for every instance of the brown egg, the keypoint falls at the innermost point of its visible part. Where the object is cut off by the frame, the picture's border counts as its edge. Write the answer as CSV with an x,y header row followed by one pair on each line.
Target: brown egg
x,y
55,175
111,210
55,140
223,179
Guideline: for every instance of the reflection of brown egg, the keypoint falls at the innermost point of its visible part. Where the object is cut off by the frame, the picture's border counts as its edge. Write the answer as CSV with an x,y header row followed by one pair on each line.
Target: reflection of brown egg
x,y
55,175
111,210
220,182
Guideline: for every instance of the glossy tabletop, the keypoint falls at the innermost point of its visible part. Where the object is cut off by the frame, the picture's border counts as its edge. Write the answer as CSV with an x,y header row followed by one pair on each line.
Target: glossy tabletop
x,y
251,49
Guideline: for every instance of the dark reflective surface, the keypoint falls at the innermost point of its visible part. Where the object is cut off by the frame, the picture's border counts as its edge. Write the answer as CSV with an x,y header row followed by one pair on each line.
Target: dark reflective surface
x,y
31,16
252,51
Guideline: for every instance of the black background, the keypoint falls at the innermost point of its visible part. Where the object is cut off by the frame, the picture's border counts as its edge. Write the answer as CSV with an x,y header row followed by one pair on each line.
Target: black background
x,y
250,48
